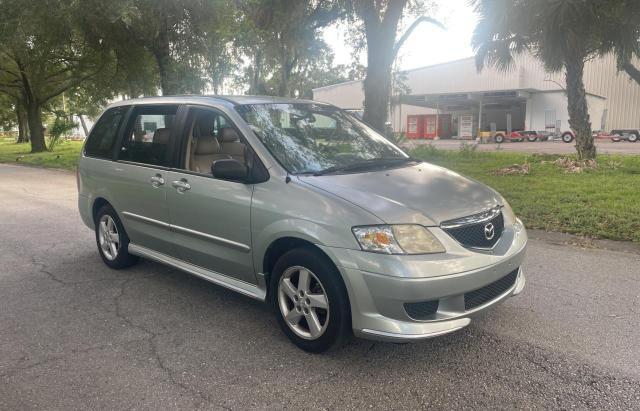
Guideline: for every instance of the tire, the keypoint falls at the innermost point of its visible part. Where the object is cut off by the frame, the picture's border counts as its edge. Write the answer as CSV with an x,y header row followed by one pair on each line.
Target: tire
x,y
498,138
112,239
333,323
633,137
567,137
532,139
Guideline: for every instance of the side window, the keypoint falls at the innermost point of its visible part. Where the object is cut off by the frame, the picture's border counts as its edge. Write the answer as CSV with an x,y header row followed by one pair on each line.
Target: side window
x,y
211,137
103,135
148,136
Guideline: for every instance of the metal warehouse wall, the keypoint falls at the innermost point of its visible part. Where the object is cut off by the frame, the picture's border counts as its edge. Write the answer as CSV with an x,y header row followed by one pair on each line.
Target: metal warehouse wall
x,y
600,76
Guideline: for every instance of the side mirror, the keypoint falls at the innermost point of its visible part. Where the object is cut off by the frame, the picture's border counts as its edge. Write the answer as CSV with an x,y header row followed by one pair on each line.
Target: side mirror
x,y
229,169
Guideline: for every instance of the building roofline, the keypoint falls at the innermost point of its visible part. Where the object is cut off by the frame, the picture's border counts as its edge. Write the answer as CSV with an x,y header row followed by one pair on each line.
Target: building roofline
x,y
444,63
336,85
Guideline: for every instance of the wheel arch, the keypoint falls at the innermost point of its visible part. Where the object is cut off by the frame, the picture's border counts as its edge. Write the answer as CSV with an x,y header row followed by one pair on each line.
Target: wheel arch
x,y
98,203
280,246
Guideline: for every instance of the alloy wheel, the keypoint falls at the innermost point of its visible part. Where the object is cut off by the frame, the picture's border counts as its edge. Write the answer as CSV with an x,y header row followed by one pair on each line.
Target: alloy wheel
x,y
108,237
303,302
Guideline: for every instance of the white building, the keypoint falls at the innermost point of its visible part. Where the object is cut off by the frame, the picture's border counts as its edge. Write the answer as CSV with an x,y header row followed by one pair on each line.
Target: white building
x,y
450,99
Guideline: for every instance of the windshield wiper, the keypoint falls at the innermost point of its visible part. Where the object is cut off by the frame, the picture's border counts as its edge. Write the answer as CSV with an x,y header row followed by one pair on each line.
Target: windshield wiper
x,y
365,164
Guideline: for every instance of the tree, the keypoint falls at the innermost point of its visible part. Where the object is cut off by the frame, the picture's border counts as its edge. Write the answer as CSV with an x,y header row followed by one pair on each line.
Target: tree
x,y
174,33
380,22
562,34
282,39
619,31
42,54
8,118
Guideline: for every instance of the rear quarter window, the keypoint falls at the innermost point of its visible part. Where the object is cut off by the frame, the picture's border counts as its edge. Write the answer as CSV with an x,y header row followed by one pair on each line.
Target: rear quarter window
x,y
104,134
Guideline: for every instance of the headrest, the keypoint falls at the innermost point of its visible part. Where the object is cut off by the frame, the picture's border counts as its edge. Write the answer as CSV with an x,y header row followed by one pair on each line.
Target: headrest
x,y
161,136
228,135
204,125
207,145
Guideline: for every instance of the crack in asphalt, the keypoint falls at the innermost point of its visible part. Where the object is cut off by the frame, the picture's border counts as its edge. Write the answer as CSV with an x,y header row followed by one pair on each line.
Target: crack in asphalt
x,y
151,340
18,368
44,270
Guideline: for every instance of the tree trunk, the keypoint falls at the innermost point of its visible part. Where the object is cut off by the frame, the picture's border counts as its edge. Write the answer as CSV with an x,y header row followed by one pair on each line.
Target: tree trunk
x,y
380,32
34,116
162,52
167,81
23,126
84,125
578,108
377,83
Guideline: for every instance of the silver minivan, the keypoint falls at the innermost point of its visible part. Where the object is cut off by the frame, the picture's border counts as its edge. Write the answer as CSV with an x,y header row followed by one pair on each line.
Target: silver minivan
x,y
302,205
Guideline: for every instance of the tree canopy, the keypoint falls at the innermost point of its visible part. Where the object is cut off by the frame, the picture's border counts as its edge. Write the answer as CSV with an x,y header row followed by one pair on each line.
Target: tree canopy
x,y
95,51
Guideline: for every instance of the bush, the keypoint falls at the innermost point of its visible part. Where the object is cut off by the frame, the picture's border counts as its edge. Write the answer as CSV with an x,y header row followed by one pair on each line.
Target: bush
x,y
59,131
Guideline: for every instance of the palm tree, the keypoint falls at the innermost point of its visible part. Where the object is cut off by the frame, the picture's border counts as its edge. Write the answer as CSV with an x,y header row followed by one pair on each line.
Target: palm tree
x,y
620,33
563,34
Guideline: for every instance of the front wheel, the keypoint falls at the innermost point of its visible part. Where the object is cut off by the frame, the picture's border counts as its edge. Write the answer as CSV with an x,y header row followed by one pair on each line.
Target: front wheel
x,y
532,139
112,240
499,138
633,137
567,137
310,300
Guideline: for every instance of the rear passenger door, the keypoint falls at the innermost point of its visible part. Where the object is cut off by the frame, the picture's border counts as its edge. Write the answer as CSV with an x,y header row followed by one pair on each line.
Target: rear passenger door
x,y
210,217
144,157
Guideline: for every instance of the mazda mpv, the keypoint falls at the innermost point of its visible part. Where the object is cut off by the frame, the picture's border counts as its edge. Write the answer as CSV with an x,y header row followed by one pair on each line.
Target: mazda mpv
x,y
303,206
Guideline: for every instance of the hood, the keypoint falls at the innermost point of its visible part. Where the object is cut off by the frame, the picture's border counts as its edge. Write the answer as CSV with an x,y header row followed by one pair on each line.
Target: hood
x,y
423,194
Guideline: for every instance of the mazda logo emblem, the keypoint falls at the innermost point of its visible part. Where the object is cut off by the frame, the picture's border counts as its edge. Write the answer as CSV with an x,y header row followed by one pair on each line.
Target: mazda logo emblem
x,y
489,231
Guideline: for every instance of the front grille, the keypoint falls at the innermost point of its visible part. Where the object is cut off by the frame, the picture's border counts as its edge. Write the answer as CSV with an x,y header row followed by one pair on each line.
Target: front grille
x,y
422,310
477,234
489,292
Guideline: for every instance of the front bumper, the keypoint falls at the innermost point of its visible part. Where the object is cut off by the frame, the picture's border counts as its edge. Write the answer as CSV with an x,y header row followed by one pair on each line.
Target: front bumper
x,y
377,300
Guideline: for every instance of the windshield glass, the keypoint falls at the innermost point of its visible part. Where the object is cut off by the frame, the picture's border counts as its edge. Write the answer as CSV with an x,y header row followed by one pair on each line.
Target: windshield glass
x,y
313,138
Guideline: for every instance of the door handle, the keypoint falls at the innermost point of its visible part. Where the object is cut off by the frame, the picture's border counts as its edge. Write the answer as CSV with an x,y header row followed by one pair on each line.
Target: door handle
x,y
157,180
181,185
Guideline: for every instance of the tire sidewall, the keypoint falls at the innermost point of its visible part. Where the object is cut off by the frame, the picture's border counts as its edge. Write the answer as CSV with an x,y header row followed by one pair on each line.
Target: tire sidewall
x,y
339,326
124,259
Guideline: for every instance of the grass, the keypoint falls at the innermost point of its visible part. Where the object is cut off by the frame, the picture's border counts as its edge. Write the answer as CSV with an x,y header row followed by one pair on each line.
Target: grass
x,y
601,203
64,155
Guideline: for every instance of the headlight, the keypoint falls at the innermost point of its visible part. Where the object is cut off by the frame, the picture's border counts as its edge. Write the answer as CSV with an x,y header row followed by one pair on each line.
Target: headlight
x,y
508,213
510,217
397,239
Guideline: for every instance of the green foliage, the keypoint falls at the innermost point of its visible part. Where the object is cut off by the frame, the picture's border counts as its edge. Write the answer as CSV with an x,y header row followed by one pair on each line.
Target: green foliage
x,y
8,120
64,155
282,47
59,130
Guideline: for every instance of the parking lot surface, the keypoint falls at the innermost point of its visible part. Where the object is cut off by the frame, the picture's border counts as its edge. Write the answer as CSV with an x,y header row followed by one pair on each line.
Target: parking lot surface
x,y
545,147
76,335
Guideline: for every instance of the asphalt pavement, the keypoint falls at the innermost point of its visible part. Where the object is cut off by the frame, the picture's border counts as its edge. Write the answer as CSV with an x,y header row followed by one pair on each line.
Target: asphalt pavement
x,y
75,334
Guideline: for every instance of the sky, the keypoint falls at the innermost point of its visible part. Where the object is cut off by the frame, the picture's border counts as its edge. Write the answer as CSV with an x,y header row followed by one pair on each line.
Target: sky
x,y
428,44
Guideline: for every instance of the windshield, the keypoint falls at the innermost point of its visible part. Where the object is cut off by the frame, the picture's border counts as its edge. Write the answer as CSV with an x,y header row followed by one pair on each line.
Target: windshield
x,y
315,138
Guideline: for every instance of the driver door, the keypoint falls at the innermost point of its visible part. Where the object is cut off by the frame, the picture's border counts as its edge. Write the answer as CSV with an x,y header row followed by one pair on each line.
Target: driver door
x,y
210,218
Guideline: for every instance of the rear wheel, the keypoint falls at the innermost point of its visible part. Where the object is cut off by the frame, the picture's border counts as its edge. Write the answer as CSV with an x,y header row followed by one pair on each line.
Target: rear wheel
x,y
567,137
498,138
112,240
310,300
532,138
633,137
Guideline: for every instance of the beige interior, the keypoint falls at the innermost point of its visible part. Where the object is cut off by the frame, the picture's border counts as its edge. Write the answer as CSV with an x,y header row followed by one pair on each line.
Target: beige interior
x,y
230,144
204,147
